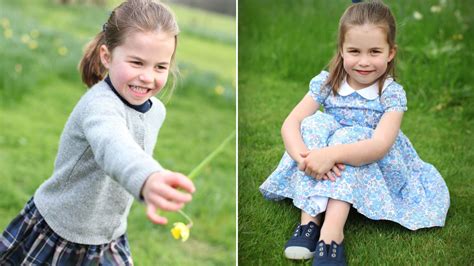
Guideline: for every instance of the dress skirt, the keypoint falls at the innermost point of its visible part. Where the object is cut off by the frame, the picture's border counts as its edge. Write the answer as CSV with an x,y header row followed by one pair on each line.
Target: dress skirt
x,y
400,187
28,240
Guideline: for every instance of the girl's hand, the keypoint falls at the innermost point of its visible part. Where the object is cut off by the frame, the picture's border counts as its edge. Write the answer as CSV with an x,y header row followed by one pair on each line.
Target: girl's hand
x,y
160,191
300,160
319,163
335,172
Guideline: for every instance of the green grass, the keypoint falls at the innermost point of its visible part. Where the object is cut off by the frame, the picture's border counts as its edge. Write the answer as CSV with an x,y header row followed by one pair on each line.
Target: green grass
x,y
39,88
282,45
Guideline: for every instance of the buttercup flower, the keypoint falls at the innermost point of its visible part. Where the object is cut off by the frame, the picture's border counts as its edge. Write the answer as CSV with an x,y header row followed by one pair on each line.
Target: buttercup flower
x,y
180,230
33,44
25,38
8,33
62,50
219,90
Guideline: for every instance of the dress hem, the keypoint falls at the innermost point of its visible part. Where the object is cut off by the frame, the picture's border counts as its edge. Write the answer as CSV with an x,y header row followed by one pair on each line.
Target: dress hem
x,y
312,212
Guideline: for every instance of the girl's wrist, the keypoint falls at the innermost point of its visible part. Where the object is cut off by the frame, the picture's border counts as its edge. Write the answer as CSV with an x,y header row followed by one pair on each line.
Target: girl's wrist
x,y
334,152
299,157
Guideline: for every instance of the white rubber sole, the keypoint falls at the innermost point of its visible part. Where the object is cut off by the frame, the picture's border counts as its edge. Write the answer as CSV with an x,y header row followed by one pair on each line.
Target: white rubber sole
x,y
298,253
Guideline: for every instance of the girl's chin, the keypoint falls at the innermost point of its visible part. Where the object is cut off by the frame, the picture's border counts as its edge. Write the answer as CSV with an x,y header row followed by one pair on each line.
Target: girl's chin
x,y
137,100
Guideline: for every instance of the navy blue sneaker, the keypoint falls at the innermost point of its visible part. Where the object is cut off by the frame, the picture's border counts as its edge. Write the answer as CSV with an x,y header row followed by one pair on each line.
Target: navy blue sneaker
x,y
329,255
302,243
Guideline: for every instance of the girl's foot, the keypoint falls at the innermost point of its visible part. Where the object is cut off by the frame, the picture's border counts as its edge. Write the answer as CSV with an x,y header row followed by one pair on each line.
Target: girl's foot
x,y
333,254
302,243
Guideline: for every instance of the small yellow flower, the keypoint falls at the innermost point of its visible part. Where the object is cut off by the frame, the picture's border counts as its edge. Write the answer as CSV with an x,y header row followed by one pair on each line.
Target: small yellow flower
x,y
417,15
180,230
8,33
25,38
62,50
34,33
33,44
219,90
5,23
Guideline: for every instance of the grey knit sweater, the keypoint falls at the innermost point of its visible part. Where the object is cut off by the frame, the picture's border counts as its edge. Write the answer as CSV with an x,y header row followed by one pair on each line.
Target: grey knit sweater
x,y
104,158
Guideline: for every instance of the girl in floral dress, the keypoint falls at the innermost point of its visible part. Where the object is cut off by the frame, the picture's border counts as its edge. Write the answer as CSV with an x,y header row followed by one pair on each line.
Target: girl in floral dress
x,y
353,153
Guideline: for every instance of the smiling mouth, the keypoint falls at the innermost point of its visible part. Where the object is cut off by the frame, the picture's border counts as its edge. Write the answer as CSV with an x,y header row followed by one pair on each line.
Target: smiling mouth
x,y
364,72
139,90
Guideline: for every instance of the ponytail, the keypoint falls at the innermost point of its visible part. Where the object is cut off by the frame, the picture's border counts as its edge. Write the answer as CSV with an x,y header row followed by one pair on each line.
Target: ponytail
x,y
90,66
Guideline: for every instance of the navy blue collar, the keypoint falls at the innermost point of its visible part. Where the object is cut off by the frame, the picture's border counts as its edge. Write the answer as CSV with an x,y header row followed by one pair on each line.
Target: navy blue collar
x,y
142,108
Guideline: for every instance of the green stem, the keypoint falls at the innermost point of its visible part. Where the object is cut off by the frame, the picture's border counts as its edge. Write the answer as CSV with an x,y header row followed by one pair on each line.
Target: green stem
x,y
187,218
198,169
211,156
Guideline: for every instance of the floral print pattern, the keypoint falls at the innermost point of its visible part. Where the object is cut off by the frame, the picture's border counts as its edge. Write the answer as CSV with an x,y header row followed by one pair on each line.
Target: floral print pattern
x,y
400,187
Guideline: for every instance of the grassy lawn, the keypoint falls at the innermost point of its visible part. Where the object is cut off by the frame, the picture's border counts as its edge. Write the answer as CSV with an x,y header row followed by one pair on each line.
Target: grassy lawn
x,y
40,46
282,45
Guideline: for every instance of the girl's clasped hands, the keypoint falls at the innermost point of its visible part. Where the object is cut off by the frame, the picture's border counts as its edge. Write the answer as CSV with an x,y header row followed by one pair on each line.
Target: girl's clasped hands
x,y
320,164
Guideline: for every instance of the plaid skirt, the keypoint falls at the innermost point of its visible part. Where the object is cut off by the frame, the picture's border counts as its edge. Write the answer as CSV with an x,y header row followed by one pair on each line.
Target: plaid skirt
x,y
29,240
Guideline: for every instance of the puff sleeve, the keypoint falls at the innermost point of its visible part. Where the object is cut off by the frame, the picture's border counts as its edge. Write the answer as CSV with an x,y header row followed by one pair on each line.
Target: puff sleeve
x,y
394,98
317,90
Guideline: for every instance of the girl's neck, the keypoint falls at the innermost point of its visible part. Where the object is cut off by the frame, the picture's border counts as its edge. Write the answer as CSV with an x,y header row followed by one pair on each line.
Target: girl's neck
x,y
142,108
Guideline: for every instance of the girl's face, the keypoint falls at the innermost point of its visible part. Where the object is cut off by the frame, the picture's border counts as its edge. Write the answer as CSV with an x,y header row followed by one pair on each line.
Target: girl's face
x,y
366,54
139,67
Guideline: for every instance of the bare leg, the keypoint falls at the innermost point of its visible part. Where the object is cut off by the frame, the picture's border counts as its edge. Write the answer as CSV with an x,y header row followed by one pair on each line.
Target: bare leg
x,y
334,221
306,218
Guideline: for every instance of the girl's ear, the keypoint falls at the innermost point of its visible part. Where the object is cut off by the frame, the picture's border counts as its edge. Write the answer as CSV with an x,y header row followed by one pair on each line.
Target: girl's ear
x,y
105,55
392,53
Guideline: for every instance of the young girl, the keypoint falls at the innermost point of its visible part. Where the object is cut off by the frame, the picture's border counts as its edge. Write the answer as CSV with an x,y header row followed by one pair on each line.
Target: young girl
x,y
353,153
79,215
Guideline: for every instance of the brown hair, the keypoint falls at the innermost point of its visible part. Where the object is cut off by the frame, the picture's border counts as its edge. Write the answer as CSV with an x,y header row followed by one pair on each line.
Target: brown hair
x,y
129,17
374,12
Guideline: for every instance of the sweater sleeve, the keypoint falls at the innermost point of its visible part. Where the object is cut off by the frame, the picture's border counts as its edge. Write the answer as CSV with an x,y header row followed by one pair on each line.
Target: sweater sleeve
x,y
114,148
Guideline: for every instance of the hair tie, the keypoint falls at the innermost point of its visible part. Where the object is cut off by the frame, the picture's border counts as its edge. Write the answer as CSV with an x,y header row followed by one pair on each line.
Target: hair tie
x,y
104,27
356,1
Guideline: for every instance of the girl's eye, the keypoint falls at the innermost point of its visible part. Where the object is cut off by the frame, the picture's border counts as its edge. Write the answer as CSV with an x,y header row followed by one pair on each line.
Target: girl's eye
x,y
137,63
375,52
161,67
353,51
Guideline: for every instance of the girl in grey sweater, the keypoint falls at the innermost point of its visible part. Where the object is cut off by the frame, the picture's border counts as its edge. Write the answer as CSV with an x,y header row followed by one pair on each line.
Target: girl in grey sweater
x,y
104,160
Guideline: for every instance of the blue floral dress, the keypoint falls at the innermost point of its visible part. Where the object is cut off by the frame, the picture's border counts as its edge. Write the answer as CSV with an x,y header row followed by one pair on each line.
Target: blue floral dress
x,y
400,187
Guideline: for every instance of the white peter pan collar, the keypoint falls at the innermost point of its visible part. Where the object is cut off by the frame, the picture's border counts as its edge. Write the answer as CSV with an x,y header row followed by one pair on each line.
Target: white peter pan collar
x,y
370,93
